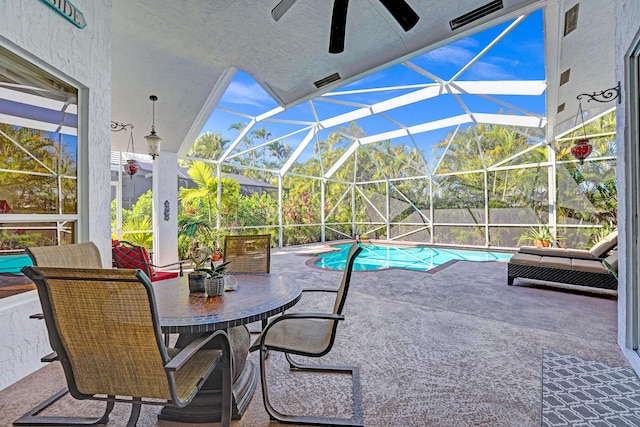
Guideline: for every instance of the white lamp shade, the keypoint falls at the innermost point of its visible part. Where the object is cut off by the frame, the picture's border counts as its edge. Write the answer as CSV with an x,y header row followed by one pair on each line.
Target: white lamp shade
x,y
153,144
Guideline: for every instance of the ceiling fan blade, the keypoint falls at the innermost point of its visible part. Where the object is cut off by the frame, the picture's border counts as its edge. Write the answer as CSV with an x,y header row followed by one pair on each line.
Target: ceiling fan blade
x,y
402,12
338,26
281,8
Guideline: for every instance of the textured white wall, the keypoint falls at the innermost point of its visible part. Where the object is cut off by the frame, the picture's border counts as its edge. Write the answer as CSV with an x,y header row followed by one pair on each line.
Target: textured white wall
x,y
24,340
627,27
82,57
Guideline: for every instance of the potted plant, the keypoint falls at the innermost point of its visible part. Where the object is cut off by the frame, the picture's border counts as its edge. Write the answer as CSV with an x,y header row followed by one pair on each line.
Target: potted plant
x,y
541,236
214,283
197,278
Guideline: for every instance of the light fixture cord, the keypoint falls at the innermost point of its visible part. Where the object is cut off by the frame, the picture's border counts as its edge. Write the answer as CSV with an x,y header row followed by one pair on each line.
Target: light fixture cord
x,y
131,142
153,117
575,125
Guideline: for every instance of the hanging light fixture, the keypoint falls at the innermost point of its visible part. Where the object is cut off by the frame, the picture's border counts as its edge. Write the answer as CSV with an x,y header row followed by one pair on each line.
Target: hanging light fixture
x,y
131,166
153,140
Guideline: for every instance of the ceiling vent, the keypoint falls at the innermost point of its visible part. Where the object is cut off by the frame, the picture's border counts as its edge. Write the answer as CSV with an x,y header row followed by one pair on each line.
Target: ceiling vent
x,y
564,77
476,14
327,80
561,108
571,19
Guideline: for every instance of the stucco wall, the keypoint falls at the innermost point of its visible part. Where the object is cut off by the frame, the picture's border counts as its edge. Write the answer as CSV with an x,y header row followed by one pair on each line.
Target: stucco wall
x,y
627,26
82,57
24,340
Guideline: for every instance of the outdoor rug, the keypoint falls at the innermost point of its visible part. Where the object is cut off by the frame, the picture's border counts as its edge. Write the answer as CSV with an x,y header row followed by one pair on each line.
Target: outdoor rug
x,y
578,392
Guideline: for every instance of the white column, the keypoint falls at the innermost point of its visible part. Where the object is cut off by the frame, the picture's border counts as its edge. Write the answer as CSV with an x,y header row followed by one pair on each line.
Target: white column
x,y
165,189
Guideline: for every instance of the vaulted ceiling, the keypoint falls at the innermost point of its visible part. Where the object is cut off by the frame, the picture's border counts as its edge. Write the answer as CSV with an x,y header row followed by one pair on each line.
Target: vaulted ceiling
x,y
187,52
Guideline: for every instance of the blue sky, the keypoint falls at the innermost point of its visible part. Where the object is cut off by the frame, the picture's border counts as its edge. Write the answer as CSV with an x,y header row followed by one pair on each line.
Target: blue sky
x,y
519,56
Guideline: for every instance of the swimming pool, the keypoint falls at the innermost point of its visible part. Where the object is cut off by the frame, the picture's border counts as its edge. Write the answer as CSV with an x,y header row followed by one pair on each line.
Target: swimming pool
x,y
422,258
13,263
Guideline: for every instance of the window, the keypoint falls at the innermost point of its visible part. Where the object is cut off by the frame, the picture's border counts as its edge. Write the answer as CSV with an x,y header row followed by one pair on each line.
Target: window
x,y
38,156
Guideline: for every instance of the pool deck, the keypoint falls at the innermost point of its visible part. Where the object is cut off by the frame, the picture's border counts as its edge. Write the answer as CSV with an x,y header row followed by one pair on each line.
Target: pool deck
x,y
454,348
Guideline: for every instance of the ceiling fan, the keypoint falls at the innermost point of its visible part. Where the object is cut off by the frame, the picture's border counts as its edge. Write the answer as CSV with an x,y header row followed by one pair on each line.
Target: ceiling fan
x,y
399,9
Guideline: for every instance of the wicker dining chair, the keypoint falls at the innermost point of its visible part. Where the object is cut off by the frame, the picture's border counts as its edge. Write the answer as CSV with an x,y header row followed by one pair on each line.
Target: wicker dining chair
x,y
104,327
75,255
248,254
84,255
310,335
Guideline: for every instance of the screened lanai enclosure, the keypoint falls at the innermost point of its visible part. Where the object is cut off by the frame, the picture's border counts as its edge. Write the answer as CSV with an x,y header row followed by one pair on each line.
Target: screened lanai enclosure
x,y
450,147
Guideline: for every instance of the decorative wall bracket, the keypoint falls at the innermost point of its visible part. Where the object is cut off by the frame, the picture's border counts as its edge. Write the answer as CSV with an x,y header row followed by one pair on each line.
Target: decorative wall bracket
x,y
117,127
604,96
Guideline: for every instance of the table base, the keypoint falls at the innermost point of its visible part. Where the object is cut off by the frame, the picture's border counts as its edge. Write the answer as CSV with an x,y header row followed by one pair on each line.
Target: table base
x,y
205,407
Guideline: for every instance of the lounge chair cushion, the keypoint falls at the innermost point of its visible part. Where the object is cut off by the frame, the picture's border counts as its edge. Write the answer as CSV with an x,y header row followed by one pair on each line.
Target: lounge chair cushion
x,y
555,262
527,259
602,247
599,250
588,265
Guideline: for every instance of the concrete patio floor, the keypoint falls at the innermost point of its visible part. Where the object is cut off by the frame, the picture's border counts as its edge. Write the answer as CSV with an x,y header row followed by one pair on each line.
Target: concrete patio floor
x,y
457,347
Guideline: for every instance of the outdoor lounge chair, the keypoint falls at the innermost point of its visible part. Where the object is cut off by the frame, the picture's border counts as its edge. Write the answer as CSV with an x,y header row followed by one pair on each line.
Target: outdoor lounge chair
x,y
104,327
310,335
575,271
128,255
598,251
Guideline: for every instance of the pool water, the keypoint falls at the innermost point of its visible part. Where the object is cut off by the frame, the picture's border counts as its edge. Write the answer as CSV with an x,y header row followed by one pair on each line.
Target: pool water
x,y
422,258
14,263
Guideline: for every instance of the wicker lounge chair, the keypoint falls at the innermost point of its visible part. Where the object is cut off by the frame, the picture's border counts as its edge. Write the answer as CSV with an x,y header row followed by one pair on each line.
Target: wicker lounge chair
x,y
103,325
575,271
128,255
599,250
310,335
248,254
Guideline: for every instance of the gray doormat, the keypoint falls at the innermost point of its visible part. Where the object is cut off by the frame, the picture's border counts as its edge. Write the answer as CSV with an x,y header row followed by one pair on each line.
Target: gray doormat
x,y
578,392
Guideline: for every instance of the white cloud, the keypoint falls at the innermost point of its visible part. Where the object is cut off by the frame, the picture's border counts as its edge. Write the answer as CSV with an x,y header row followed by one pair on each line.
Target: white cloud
x,y
456,55
247,94
488,71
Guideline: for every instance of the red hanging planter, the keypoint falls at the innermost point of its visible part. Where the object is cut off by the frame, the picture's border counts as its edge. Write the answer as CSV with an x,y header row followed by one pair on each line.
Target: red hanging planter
x,y
581,150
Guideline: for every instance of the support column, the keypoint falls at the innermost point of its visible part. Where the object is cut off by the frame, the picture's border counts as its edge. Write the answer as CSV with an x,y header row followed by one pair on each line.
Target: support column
x,y
165,215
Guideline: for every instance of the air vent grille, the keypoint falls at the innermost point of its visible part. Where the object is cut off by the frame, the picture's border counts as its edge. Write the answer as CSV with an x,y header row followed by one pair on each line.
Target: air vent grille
x,y
564,77
571,19
476,14
561,108
327,80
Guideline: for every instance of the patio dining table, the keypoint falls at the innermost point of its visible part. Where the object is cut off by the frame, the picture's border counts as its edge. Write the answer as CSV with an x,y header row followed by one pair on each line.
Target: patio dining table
x,y
256,297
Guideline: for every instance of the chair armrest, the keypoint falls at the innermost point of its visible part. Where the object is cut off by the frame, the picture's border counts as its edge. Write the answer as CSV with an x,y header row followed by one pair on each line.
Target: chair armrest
x,y
181,358
322,316
182,261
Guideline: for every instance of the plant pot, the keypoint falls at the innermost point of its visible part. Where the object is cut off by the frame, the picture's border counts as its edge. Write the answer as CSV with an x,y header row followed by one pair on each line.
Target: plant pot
x,y
541,243
197,282
214,287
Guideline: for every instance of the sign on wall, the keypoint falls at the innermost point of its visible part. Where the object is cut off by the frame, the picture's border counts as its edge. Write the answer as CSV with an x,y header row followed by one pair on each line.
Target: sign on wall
x,y
69,11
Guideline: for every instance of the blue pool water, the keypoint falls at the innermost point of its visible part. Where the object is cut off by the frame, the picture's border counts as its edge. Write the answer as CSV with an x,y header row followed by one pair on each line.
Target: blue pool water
x,y
13,263
376,257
